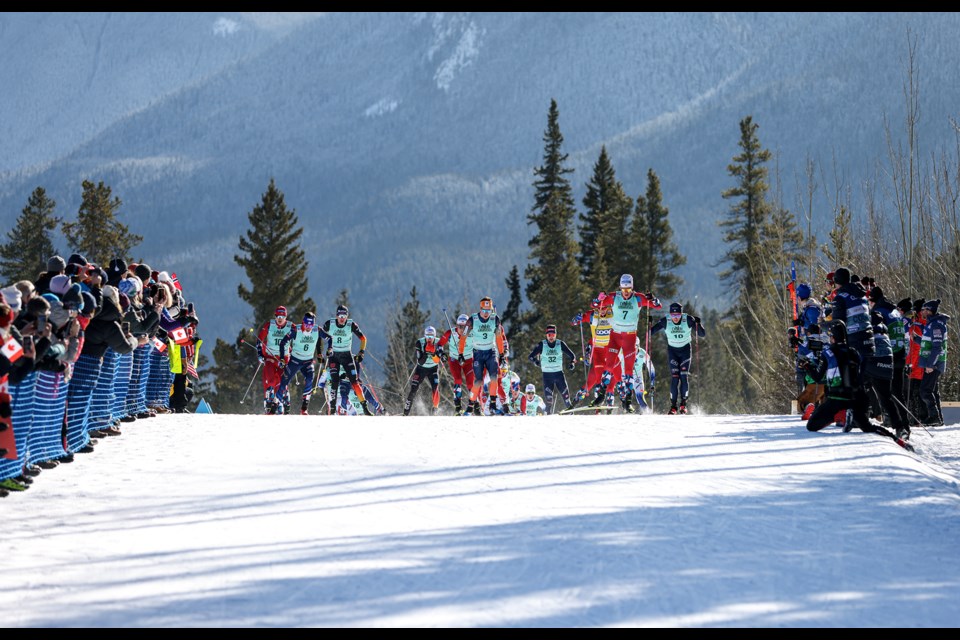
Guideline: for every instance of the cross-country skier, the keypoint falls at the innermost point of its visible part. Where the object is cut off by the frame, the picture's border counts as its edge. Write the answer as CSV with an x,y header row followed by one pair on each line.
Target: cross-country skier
x,y
270,336
531,404
548,354
429,355
302,341
600,321
489,351
679,335
461,369
341,330
626,316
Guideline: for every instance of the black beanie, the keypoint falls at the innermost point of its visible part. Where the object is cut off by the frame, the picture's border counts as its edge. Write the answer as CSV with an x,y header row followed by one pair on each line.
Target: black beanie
x,y
841,276
905,305
918,304
77,259
142,271
676,307
838,331
876,293
932,305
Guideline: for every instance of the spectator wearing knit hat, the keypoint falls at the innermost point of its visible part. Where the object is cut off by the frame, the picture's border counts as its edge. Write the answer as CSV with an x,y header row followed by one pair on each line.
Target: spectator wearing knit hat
x,y
55,266
933,359
896,327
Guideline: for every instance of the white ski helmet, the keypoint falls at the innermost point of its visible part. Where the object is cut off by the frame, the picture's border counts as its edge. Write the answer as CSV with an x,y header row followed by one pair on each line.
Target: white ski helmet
x,y
462,319
430,333
531,388
626,281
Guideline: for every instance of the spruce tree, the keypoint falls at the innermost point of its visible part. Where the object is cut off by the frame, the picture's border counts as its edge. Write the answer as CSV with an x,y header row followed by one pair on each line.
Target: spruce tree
x,y
553,290
604,254
276,267
747,218
763,238
273,260
403,330
97,234
28,246
655,255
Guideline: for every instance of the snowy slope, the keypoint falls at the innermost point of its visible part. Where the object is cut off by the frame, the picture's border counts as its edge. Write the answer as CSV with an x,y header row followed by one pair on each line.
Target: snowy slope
x,y
218,520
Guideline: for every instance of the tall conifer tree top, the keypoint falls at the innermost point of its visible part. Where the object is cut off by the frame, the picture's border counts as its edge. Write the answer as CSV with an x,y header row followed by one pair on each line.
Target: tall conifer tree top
x,y
29,245
97,234
273,260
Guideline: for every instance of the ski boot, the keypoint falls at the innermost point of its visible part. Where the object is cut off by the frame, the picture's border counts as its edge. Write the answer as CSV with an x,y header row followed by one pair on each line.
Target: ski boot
x,y
673,410
304,405
457,406
625,404
683,409
332,408
435,411
808,411
406,406
366,409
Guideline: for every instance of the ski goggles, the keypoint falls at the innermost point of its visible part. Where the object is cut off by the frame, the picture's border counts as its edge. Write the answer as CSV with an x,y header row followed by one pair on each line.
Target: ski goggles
x,y
342,315
675,315
308,323
551,333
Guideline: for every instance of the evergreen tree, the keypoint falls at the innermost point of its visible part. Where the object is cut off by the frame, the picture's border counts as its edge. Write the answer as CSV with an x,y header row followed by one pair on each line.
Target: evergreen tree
x,y
403,330
839,252
28,246
276,266
748,216
553,287
97,234
273,260
763,239
511,315
655,254
604,254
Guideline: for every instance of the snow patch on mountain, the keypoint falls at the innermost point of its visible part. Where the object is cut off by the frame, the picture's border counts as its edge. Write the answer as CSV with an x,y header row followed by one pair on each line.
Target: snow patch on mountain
x,y
224,27
381,107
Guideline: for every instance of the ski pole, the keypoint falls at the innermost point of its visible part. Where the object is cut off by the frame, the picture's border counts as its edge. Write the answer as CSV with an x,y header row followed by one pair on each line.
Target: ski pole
x,y
251,382
696,349
918,420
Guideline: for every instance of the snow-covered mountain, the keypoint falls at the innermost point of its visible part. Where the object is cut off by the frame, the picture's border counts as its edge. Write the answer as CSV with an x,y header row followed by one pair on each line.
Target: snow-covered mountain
x,y
406,142
564,521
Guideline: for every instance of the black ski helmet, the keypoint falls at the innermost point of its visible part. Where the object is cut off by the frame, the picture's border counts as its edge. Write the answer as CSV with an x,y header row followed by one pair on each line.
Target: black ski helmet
x,y
342,310
676,307
838,331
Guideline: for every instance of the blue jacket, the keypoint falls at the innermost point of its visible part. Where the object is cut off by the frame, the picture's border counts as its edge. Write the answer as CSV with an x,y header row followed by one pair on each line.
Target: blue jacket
x,y
933,344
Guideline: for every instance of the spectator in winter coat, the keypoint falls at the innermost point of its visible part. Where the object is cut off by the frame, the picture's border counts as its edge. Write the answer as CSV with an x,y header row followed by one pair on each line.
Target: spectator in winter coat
x,y
840,366
933,359
850,306
914,371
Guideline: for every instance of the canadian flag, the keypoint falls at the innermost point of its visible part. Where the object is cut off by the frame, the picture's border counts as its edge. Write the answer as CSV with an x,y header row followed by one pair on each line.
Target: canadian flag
x,y
12,349
179,335
159,344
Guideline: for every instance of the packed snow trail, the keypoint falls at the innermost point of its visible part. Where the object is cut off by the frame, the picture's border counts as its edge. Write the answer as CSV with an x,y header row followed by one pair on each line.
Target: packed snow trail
x,y
572,521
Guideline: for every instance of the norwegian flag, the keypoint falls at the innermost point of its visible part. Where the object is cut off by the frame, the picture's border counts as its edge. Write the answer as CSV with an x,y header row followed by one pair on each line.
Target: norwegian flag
x,y
175,281
179,335
159,344
12,349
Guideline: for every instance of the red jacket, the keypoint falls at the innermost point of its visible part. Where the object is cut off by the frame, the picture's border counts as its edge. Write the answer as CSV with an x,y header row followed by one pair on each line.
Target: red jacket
x,y
915,333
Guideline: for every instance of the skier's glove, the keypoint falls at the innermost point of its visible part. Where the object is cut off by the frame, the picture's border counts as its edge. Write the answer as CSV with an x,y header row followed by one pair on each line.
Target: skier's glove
x,y
359,357
281,364
696,320
460,358
502,359
576,319
573,365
